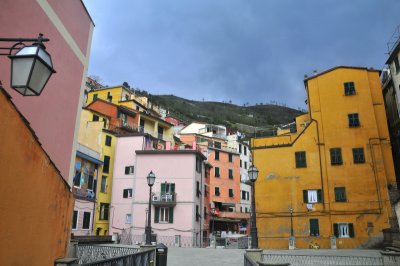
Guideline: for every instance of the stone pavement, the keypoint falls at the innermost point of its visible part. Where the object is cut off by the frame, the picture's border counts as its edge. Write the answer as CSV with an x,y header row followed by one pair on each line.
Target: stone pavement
x,y
205,256
234,257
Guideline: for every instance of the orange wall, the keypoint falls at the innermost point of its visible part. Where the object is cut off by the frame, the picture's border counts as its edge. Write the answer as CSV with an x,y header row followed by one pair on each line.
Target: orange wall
x,y
223,182
36,203
110,110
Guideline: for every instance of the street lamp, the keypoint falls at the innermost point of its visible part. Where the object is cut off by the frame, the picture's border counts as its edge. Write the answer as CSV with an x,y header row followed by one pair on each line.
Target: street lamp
x,y
31,66
253,174
291,221
151,177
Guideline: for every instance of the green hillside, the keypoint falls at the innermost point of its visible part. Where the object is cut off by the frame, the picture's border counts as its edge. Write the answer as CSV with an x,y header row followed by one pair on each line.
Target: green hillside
x,y
264,117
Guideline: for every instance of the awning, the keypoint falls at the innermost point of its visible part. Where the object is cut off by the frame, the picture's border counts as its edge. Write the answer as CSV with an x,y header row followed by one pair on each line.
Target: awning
x,y
89,158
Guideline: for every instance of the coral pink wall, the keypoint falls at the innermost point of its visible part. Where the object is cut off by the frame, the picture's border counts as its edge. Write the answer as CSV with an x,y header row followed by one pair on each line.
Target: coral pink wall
x,y
53,114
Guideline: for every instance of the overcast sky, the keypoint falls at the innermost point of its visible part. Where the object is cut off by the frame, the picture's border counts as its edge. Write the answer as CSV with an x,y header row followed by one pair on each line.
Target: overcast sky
x,y
245,51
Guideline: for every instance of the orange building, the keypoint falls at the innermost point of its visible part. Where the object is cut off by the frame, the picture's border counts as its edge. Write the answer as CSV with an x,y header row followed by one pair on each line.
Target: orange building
x,y
36,201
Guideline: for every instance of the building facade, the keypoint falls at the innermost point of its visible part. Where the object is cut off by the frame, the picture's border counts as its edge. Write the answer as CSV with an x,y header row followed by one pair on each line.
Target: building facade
x,y
69,28
309,180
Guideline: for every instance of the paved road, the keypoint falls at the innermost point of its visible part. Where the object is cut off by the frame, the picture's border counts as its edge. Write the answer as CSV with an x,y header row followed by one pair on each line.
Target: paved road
x,y
205,256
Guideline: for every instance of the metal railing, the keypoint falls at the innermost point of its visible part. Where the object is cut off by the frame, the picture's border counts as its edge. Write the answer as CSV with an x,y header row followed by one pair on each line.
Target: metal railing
x,y
142,258
248,261
164,198
94,253
321,259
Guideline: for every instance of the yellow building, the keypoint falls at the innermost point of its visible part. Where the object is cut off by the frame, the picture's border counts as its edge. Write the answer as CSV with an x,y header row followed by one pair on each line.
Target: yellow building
x,y
94,135
326,180
150,121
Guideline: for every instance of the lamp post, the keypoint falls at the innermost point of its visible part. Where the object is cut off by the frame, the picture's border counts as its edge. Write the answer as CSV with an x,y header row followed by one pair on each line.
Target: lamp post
x,y
151,177
253,174
291,221
31,65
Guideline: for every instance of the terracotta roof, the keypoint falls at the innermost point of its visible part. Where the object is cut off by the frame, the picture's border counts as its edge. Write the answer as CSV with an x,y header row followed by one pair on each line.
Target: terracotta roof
x,y
172,152
337,67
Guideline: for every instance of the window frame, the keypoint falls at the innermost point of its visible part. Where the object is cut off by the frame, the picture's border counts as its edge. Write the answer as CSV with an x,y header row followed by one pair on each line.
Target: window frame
x,y
217,192
301,159
83,220
349,88
230,157
128,221
76,220
164,215
127,190
336,156
230,193
216,172
103,189
354,120
314,227
216,155
358,155
230,173
129,170
340,194
108,140
104,209
106,164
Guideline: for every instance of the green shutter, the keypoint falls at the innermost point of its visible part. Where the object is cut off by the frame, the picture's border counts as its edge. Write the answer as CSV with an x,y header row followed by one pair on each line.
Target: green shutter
x,y
156,214
172,186
171,215
336,230
163,188
305,196
319,195
351,230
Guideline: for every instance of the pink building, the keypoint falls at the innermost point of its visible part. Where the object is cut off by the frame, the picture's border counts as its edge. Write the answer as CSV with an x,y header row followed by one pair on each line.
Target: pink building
x,y
53,115
177,199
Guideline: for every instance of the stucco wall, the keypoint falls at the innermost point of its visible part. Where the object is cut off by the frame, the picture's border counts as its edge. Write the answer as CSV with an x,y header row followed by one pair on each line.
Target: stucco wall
x,y
36,203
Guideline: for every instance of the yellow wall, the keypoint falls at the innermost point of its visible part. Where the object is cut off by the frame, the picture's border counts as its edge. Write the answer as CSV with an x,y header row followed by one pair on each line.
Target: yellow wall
x,y
117,94
105,197
280,184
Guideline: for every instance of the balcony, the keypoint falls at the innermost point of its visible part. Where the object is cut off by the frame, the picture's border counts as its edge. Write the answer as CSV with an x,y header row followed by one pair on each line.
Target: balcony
x,y
164,199
234,215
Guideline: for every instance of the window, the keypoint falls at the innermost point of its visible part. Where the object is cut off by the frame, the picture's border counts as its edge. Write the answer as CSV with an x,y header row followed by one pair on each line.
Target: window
x,y
197,213
77,178
231,193
75,220
86,220
129,170
354,121
230,157
106,166
104,209
343,230
314,227
164,215
217,145
300,159
240,163
94,97
340,194
167,188
358,155
128,218
312,196
205,191
216,155
396,64
245,165
198,165
216,171
240,148
349,88
108,140
198,192
96,118
230,174
109,97
336,156
245,150
243,195
127,194
103,187
216,191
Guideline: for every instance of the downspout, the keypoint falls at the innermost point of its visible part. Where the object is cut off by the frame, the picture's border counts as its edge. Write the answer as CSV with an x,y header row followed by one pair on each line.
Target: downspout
x,y
201,200
374,171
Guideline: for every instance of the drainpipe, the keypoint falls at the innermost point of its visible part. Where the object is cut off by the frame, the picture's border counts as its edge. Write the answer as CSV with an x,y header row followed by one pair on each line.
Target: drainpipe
x,y
374,171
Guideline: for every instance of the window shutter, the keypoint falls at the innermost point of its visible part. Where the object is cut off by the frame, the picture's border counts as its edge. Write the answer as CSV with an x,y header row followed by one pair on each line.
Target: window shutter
x,y
319,195
351,230
127,170
305,196
336,230
156,214
172,186
171,215
162,188
125,193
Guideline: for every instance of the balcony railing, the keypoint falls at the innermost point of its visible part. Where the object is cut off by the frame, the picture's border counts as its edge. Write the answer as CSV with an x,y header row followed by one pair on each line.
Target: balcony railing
x,y
164,199
234,215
